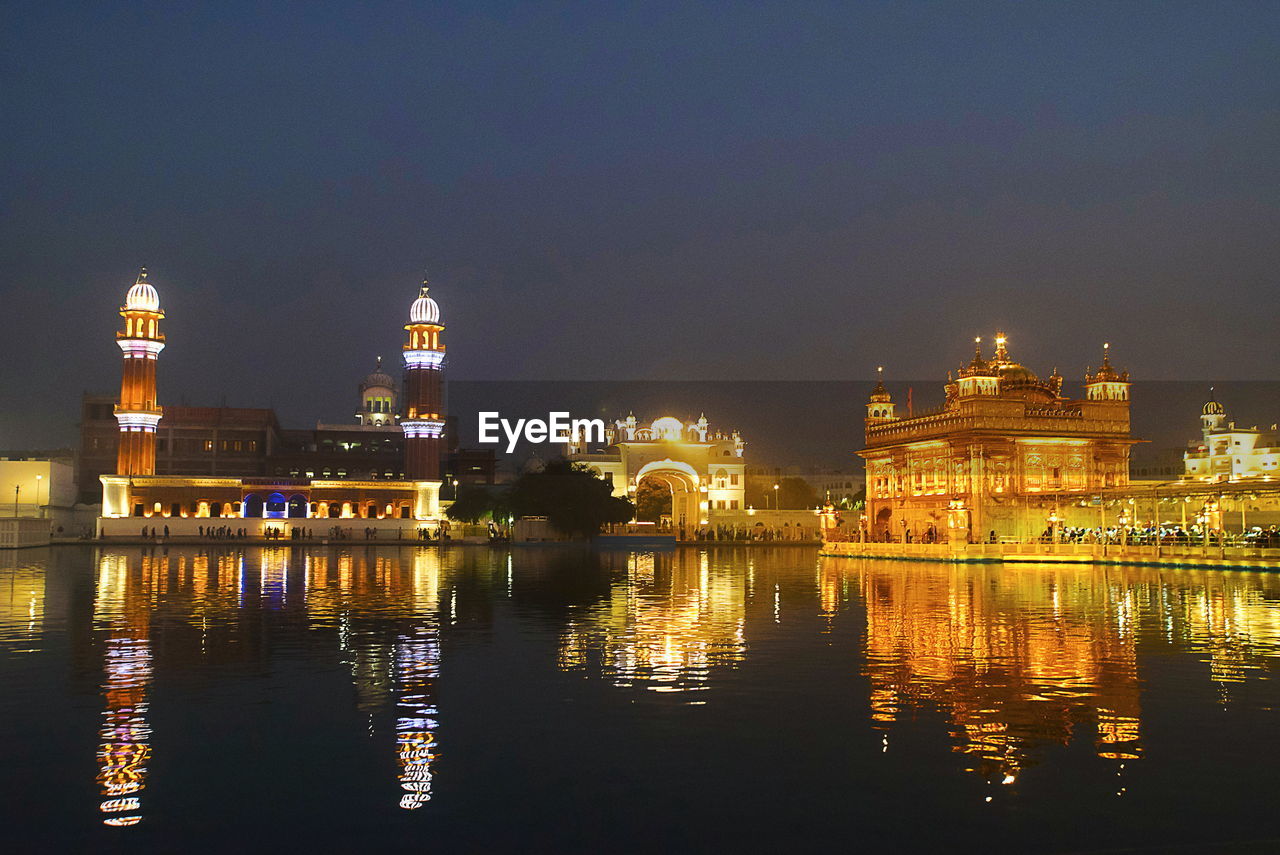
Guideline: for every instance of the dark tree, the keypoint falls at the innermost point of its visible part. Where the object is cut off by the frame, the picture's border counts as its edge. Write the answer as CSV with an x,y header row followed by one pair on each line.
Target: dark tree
x,y
476,503
792,494
653,499
574,501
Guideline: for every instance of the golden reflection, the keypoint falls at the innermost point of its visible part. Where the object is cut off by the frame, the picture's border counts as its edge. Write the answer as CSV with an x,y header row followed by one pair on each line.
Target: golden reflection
x,y
122,612
1018,658
22,606
1023,657
672,619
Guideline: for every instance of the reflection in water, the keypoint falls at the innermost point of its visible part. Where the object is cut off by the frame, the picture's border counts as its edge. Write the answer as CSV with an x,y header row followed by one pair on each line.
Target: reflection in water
x,y
1008,663
417,668
664,626
122,611
22,603
1022,657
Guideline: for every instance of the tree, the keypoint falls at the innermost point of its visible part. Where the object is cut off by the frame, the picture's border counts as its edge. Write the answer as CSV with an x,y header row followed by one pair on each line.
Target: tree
x,y
475,503
571,497
792,494
653,499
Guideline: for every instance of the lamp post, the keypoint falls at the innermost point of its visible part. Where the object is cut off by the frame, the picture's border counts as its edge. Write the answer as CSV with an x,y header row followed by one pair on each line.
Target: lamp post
x,y
1053,526
17,488
39,478
775,497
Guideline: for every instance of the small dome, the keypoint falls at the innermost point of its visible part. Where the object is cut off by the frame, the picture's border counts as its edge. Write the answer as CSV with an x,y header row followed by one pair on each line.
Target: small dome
x,y
1212,407
424,309
378,378
667,427
142,296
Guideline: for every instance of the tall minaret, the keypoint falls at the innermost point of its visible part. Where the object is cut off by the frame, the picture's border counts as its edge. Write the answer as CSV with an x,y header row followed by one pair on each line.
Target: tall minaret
x,y
423,420
138,413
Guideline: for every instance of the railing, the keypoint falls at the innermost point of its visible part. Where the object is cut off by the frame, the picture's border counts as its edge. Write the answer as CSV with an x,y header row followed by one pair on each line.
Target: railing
x,y
1214,555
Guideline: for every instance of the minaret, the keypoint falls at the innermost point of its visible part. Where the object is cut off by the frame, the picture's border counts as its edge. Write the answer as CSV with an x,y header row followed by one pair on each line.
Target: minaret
x,y
138,413
423,421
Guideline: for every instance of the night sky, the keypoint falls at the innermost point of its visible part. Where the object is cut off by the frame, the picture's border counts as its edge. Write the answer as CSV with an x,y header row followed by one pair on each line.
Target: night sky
x,y
608,191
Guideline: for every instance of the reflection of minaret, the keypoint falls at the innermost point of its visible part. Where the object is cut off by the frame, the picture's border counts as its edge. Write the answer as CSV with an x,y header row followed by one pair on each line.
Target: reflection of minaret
x,y
138,413
124,614
417,667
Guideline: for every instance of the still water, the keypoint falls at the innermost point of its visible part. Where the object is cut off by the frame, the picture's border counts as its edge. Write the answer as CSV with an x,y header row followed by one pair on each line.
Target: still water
x,y
559,699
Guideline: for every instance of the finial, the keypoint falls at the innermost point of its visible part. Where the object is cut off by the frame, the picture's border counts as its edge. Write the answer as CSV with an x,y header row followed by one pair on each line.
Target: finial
x,y
142,275
880,370
1002,353
379,366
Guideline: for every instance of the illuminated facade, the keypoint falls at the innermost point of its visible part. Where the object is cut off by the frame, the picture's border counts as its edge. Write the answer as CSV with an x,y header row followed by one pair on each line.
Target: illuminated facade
x,y
704,469
276,502
138,413
423,421
1225,452
997,454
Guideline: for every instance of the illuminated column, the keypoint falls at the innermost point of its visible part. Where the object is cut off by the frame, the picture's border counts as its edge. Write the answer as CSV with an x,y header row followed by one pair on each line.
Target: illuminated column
x,y
423,421
138,413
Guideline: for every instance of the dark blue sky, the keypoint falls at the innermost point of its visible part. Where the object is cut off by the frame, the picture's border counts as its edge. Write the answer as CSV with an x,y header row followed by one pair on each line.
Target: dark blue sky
x,y
683,191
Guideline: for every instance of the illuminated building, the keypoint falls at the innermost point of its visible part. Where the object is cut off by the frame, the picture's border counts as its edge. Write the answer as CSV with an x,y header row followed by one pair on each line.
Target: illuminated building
x,y
1002,448
704,469
402,495
423,424
1229,453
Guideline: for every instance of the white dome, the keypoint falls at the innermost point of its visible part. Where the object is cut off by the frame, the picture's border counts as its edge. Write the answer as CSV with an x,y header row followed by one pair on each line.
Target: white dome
x,y
142,296
424,309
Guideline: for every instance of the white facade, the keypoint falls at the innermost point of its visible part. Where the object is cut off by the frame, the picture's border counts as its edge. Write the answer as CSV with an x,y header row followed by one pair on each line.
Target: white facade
x,y
1229,453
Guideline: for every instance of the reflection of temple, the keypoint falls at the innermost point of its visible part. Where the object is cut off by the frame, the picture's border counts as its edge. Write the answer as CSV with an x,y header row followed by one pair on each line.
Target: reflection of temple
x,y
122,611
665,626
1018,658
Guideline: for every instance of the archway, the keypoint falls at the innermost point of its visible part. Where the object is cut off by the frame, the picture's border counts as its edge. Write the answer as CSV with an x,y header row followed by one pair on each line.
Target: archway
x,y
297,505
275,507
252,506
686,497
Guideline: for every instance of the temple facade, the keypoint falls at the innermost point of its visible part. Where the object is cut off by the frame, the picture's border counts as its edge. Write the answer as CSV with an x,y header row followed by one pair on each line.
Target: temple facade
x,y
1002,456
396,493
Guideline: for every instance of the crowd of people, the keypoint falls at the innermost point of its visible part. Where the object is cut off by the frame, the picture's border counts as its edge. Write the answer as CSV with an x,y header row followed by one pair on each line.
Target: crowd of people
x,y
1166,534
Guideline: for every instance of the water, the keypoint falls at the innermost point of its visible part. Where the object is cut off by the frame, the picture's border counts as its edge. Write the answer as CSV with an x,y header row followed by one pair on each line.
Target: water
x,y
558,699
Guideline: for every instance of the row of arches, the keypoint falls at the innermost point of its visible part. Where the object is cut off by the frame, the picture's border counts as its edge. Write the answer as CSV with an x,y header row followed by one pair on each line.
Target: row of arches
x,y
276,505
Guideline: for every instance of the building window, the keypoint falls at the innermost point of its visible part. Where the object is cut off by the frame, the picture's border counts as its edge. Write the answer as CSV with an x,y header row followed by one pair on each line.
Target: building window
x,y
208,445
733,504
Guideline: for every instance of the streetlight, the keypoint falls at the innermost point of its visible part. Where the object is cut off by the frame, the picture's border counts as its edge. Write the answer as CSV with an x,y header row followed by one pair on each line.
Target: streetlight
x,y
39,478
775,497
17,488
